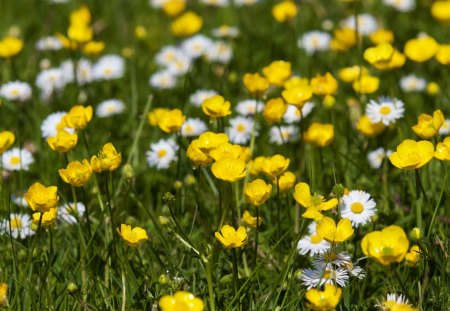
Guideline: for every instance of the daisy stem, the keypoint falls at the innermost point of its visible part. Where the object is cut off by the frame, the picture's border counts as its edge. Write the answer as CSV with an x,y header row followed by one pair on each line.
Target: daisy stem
x,y
235,271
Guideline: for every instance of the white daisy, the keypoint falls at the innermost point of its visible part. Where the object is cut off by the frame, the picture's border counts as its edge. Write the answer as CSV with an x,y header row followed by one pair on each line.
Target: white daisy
x,y
50,43
445,127
17,159
312,244
249,107
240,130
314,41
19,200
225,31
16,91
332,259
386,110
19,224
163,80
367,24
358,206
70,212
49,125
376,157
50,81
84,71
109,67
109,107
283,134
317,277
218,3
401,5
196,46
413,83
200,96
219,52
356,271
293,115
167,55
193,127
162,153
180,65
239,3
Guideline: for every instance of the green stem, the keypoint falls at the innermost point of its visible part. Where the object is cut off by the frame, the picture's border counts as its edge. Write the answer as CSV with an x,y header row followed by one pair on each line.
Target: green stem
x,y
256,238
210,286
235,271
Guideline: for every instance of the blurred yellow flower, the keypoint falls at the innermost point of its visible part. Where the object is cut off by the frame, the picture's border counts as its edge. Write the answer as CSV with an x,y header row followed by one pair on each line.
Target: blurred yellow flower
x,y
78,117
93,48
154,115
256,165
284,11
386,246
443,54
286,181
274,110
171,120
421,49
314,204
181,301
369,129
63,141
257,192
297,95
329,231
40,198
196,155
187,24
441,10
48,217
216,107
81,16
209,141
323,85
108,159
80,33
384,57
295,81
10,46
413,256
275,165
255,83
249,220
231,238
344,39
433,88
350,74
412,154
77,174
229,169
132,237
319,135
366,84
7,139
382,36
428,126
443,150
226,150
3,294
174,7
277,72
324,300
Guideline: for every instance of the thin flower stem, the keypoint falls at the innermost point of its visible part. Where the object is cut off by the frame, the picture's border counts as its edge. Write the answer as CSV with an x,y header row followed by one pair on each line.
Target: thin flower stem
x,y
419,202
256,238
235,271
210,286
86,211
278,208
437,206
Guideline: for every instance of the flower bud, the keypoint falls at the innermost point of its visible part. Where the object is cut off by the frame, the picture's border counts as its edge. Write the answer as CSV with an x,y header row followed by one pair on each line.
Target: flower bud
x,y
415,234
72,288
163,279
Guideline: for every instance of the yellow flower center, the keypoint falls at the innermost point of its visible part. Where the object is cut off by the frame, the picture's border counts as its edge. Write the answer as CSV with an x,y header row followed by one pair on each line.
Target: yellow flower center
x,y
188,129
16,223
15,160
241,128
385,110
315,239
329,257
14,92
316,200
162,153
111,109
107,71
357,208
328,274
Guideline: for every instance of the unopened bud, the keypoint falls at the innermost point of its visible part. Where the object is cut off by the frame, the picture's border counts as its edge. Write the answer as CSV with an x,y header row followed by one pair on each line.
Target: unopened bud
x,y
178,185
163,220
163,279
416,234
128,171
72,288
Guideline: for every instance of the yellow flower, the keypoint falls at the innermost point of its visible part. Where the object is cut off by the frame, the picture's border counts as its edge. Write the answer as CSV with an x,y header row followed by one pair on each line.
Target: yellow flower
x,y
441,11
229,169
421,49
443,150
366,84
77,174
7,138
3,294
350,74
216,107
386,246
274,110
284,11
286,181
382,36
413,256
48,218
369,129
174,7
93,48
81,16
40,198
324,85
256,165
443,54
314,204
171,120
181,301
275,166
278,72
384,57
257,192
154,115
226,150
78,117
209,141
255,83
108,159
428,126
295,81
433,88
196,155
344,39
319,135
329,231
10,46
132,237
297,95
80,33
412,154
249,220
63,141
231,238
325,300
187,24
